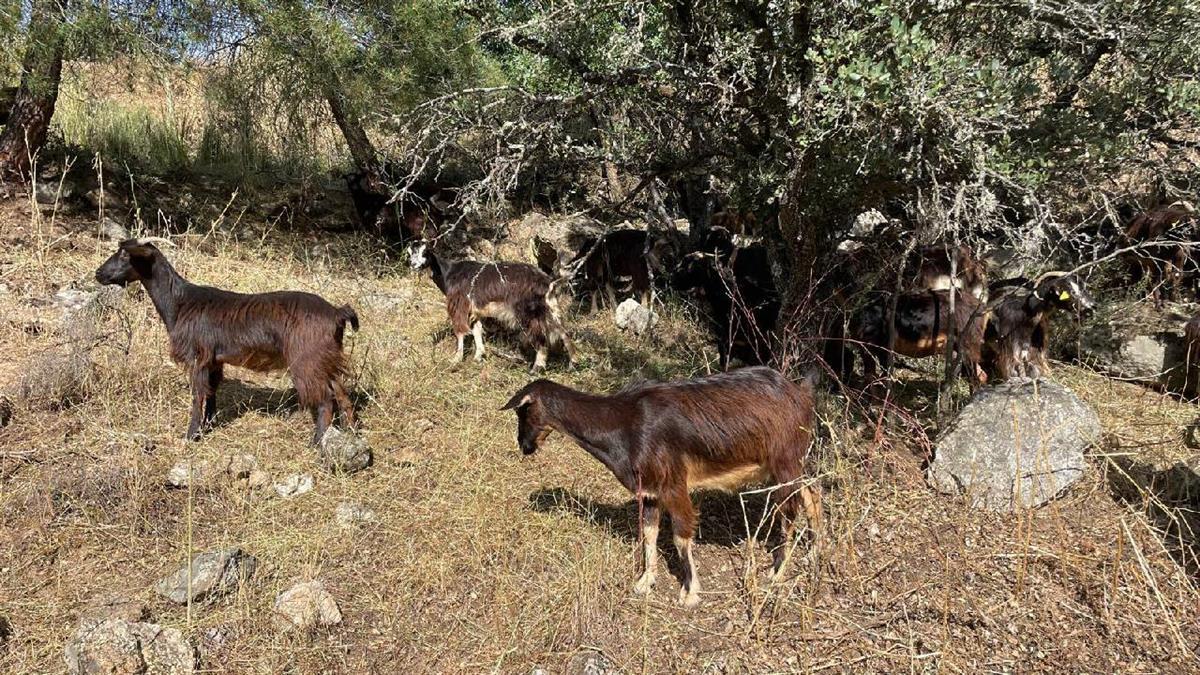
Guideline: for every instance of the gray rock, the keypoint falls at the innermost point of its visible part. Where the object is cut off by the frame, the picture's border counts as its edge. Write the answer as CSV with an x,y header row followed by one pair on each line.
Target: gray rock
x,y
344,451
189,472
115,646
111,230
294,485
631,315
351,514
1015,445
214,574
50,191
1140,343
308,604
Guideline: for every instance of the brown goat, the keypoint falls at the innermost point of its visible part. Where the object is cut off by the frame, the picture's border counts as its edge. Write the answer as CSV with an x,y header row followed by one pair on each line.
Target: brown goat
x,y
922,327
1161,265
663,440
932,270
619,261
516,295
210,328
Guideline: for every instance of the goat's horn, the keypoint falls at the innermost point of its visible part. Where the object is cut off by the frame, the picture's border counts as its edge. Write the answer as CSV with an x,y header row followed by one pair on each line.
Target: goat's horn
x,y
156,240
1049,275
1185,205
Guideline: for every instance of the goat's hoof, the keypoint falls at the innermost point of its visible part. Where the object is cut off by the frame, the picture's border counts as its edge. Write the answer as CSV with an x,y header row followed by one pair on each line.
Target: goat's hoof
x,y
688,599
644,584
479,358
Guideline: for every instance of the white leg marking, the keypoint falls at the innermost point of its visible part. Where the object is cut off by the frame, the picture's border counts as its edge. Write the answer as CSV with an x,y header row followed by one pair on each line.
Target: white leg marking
x,y
650,556
459,354
477,331
688,597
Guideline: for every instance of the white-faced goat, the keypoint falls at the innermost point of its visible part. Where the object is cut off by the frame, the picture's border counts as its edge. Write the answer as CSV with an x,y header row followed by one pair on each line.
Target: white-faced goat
x,y
515,295
1016,337
210,328
662,441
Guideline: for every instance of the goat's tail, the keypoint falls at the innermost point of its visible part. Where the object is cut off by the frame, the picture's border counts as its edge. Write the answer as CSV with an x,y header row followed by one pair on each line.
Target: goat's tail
x,y
346,314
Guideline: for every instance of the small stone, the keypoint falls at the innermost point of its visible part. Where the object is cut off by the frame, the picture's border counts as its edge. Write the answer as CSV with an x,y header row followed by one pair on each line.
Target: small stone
x,y
213,573
259,478
351,514
117,646
188,472
589,663
631,315
308,604
344,451
294,485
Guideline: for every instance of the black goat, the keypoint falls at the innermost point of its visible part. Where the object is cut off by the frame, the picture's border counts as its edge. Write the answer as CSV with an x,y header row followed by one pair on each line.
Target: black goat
x,y
662,441
737,283
210,328
1016,338
515,295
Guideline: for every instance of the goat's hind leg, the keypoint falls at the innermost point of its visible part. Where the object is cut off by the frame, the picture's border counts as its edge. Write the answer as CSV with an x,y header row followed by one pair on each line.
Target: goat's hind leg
x,y
200,394
683,525
344,403
477,332
215,375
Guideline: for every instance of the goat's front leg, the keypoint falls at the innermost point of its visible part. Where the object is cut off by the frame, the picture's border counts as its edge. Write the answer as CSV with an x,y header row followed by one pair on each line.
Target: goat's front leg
x,y
650,519
477,331
539,359
200,383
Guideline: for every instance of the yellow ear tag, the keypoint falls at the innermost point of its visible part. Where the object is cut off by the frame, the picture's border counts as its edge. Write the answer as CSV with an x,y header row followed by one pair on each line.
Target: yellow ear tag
x,y
1064,296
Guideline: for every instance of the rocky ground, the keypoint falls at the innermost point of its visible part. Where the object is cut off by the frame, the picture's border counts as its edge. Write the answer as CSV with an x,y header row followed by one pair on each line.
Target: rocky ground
x,y
124,549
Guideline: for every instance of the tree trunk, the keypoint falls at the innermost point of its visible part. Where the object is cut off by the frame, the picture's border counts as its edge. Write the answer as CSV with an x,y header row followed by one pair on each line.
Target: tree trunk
x,y
41,72
362,151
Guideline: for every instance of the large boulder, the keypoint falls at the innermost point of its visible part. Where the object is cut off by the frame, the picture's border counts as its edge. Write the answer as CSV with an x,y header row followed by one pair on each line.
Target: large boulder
x,y
1015,445
1140,343
213,574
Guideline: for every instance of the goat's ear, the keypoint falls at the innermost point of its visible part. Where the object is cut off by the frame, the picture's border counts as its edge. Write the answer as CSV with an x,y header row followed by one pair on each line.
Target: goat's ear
x,y
137,249
518,400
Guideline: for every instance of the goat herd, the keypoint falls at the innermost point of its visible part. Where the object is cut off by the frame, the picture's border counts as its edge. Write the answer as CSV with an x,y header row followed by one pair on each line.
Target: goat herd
x,y
660,440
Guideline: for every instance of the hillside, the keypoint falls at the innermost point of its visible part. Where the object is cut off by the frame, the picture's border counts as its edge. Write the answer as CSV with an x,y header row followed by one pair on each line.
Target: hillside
x,y
480,560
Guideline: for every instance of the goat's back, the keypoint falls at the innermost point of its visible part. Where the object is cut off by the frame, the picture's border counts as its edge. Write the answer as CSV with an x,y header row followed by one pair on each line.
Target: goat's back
x,y
484,282
261,331
738,417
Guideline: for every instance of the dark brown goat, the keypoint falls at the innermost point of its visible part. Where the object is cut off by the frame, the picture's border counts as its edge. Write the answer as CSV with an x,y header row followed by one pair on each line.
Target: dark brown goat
x,y
1016,338
516,295
922,328
619,261
662,441
1161,265
210,328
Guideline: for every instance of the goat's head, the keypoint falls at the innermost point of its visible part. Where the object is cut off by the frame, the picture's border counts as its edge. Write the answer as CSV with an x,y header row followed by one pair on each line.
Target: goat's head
x,y
133,261
417,258
1065,291
532,427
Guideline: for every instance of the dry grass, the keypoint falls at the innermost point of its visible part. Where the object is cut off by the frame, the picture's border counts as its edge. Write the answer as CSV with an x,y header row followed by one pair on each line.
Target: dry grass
x,y
483,561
